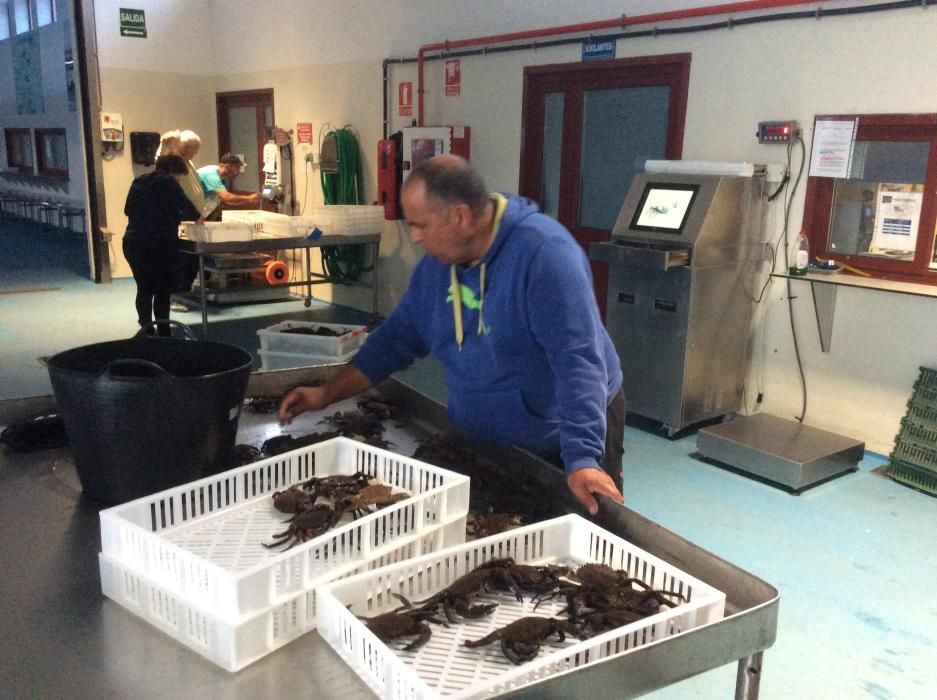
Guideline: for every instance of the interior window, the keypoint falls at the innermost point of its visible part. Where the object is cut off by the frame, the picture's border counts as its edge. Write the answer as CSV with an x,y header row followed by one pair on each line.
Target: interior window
x,y
45,12
880,217
19,144
51,152
21,16
4,20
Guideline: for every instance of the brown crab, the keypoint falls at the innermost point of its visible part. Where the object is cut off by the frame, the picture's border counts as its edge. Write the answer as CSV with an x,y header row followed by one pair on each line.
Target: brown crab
x,y
376,495
305,526
379,408
352,423
398,624
521,640
483,525
293,500
458,596
336,486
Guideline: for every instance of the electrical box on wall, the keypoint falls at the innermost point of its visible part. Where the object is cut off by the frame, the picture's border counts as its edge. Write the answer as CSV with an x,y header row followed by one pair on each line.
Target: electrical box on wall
x,y
777,132
401,153
112,131
143,146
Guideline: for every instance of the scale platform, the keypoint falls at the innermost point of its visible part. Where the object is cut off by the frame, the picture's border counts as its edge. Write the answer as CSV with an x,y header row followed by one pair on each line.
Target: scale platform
x,y
784,452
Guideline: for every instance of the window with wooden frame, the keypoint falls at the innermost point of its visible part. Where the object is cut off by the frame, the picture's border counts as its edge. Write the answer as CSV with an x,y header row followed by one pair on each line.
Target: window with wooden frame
x,y
19,144
881,218
52,153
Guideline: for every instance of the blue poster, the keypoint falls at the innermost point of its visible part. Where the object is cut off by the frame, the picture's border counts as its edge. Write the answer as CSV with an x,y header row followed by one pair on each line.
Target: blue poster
x,y
27,74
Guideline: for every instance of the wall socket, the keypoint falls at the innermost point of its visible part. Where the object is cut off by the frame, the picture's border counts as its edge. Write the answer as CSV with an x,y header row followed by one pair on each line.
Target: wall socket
x,y
311,158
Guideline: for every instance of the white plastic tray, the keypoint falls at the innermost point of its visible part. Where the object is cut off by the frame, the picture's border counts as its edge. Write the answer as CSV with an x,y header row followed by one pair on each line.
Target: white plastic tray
x,y
445,668
274,339
203,541
235,643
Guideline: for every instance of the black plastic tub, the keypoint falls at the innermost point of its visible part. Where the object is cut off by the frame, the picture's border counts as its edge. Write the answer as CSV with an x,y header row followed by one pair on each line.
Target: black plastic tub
x,y
146,414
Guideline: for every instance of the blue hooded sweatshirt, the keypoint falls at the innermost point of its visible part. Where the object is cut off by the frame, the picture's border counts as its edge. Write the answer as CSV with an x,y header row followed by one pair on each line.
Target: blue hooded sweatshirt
x,y
536,367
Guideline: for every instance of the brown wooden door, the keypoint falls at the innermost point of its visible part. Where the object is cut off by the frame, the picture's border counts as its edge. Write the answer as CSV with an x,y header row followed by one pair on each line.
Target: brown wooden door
x,y
587,130
243,118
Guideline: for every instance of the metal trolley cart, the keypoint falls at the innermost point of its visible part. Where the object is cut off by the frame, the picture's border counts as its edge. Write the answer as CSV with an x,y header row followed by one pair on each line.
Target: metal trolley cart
x,y
309,278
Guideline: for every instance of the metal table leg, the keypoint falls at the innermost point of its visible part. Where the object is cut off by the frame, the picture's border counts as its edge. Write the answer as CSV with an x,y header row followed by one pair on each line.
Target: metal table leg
x,y
377,252
748,679
202,295
308,264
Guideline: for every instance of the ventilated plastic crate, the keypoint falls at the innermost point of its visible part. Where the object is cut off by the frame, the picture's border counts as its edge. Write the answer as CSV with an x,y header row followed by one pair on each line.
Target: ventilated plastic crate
x,y
345,219
235,642
444,667
916,477
204,541
927,379
914,454
917,433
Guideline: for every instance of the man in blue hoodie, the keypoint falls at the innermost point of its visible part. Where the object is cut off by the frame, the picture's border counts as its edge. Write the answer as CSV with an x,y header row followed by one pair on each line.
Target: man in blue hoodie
x,y
503,299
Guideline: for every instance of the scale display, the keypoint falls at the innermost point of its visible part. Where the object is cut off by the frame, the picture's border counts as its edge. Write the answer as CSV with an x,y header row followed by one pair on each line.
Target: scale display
x,y
664,207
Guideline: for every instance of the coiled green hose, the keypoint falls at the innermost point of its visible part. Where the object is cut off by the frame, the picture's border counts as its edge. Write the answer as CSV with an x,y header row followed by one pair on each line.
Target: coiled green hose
x,y
344,264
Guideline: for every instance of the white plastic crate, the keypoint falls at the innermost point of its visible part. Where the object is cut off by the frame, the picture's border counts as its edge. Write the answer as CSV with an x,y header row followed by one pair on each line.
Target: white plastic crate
x,y
235,642
444,668
203,541
274,339
254,217
217,231
288,227
271,361
345,219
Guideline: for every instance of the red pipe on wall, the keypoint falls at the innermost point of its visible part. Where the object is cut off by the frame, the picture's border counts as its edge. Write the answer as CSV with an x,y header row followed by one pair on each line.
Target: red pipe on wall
x,y
618,23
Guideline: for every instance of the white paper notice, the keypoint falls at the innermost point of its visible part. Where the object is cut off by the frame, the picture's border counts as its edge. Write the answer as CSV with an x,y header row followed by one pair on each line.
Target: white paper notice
x,y
832,148
896,219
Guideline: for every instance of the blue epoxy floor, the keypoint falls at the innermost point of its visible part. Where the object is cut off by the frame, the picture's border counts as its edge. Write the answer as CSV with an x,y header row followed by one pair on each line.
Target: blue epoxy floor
x,y
854,559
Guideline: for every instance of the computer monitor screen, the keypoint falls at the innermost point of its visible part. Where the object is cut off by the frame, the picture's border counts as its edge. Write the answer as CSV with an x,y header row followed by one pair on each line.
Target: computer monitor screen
x,y
664,207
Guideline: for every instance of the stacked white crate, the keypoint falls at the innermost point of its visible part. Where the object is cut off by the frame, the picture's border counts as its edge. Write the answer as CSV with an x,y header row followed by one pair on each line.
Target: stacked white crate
x,y
282,350
216,231
190,560
345,219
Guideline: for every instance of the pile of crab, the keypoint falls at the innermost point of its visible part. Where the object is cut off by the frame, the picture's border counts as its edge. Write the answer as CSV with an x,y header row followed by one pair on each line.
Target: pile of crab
x,y
317,505
597,599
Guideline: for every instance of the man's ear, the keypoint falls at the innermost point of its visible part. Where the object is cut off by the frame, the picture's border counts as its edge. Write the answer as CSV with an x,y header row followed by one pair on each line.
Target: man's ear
x,y
462,215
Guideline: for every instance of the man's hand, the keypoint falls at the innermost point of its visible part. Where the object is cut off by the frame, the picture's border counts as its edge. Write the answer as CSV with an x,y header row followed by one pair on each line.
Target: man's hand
x,y
300,400
585,482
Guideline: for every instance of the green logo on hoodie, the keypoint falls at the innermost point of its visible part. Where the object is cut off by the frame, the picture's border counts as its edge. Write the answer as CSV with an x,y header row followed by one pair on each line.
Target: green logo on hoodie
x,y
468,297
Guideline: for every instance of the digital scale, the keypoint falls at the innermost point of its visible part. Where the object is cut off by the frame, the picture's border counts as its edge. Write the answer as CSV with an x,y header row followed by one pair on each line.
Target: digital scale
x,y
786,453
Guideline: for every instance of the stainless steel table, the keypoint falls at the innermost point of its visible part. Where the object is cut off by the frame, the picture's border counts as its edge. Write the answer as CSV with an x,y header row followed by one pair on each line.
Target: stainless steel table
x,y
59,637
201,249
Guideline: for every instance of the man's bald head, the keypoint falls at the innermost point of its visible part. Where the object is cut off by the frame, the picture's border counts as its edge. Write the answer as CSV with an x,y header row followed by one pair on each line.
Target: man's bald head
x,y
451,180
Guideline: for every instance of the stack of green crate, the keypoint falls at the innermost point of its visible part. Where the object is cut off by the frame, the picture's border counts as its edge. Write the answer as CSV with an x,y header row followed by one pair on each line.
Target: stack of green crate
x,y
914,459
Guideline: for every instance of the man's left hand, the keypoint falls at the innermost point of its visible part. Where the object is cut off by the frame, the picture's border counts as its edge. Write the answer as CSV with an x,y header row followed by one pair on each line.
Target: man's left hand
x,y
590,480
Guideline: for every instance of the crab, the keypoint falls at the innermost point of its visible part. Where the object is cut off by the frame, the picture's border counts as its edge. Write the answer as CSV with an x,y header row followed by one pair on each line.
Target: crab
x,y
521,640
377,495
293,500
598,621
305,526
336,486
492,523
397,624
379,408
285,443
458,596
352,423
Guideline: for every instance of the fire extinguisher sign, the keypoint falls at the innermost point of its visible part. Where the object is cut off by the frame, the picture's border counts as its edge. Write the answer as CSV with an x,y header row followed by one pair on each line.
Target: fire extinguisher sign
x,y
453,77
405,99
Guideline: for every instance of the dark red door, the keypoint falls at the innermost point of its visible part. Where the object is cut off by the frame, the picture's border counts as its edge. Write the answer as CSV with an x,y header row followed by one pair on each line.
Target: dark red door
x,y
587,130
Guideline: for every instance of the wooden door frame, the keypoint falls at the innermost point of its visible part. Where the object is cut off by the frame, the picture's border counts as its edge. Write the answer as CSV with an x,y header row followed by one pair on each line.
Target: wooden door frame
x,y
242,98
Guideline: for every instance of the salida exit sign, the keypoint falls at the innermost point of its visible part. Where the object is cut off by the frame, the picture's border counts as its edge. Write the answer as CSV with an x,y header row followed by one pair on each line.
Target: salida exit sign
x,y
132,23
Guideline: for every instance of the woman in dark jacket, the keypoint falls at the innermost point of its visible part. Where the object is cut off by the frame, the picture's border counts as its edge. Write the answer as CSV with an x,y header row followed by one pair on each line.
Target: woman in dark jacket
x,y
155,206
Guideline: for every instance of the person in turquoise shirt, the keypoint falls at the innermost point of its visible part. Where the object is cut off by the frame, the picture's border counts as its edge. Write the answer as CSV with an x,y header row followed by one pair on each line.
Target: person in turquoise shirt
x,y
213,179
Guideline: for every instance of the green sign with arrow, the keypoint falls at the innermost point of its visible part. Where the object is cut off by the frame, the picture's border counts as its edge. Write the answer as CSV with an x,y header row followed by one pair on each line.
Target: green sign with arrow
x,y
132,23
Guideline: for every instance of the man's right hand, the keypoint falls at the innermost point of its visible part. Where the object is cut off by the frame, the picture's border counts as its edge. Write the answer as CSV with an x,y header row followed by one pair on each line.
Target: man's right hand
x,y
300,400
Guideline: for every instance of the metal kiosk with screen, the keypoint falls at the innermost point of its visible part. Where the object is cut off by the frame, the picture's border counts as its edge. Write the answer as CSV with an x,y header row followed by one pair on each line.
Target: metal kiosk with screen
x,y
682,266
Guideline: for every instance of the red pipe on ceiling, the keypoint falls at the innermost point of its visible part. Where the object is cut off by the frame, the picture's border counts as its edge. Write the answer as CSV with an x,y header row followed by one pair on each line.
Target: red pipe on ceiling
x,y
617,23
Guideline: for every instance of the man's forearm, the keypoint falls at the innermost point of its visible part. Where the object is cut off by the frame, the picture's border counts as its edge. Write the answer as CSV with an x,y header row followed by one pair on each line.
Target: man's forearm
x,y
350,381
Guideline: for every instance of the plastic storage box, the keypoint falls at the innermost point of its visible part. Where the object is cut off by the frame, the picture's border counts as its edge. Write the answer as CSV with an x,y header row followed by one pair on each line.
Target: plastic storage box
x,y
445,668
330,348
202,542
216,231
271,361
